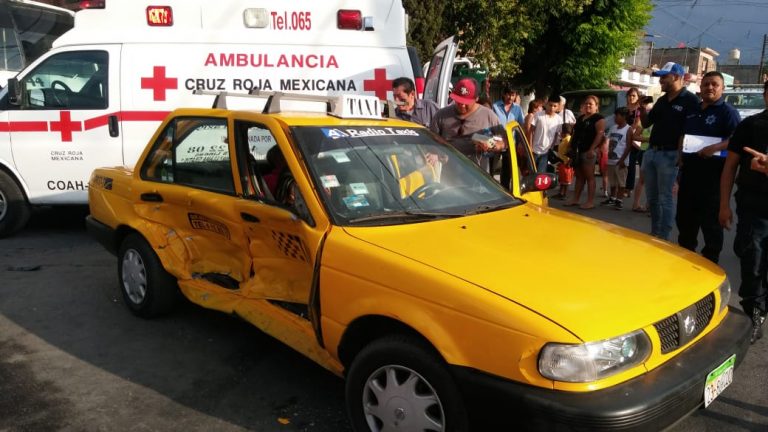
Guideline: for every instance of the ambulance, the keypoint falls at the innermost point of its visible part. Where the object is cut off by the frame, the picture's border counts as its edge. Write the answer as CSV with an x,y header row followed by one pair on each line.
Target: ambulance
x,y
97,96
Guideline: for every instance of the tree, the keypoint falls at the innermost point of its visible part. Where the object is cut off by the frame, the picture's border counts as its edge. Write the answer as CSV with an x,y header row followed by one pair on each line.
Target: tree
x,y
546,45
583,50
425,20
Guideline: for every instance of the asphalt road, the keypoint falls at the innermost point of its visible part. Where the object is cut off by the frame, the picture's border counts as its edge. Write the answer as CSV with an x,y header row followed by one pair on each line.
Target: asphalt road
x,y
72,358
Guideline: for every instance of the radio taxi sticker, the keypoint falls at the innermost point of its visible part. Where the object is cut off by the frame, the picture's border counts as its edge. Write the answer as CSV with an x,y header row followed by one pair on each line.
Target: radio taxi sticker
x,y
335,133
359,188
355,201
329,181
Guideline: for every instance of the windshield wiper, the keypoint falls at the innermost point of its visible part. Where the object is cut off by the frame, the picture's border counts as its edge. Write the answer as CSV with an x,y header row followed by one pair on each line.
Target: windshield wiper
x,y
484,208
405,215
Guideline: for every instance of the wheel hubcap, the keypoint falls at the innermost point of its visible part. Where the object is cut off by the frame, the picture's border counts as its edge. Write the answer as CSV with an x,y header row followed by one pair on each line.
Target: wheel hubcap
x,y
3,205
134,276
397,398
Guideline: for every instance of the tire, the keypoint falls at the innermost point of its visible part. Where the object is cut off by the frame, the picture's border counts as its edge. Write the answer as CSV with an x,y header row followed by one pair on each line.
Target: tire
x,y
148,290
14,209
400,408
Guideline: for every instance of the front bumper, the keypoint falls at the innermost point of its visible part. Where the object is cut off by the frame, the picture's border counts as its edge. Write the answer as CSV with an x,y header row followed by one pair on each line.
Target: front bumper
x,y
652,401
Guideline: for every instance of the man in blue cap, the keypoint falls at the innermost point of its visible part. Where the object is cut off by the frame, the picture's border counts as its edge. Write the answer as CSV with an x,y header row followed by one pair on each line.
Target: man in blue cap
x,y
661,160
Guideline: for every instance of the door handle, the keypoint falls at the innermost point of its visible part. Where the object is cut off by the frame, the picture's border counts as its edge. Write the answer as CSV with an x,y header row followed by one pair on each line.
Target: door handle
x,y
151,197
114,127
249,217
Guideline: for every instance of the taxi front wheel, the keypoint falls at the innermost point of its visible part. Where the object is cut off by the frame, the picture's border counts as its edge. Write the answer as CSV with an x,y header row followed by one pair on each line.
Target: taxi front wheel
x,y
399,384
14,210
148,290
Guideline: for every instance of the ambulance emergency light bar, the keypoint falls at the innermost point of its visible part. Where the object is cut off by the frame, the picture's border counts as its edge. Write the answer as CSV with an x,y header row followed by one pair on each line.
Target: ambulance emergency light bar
x,y
343,106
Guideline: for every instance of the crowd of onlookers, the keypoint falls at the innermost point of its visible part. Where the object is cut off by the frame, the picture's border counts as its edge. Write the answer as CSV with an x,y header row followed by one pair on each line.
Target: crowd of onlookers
x,y
685,144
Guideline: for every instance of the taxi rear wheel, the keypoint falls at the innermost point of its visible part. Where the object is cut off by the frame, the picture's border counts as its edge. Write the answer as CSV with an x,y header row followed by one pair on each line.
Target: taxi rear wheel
x,y
399,384
14,209
148,290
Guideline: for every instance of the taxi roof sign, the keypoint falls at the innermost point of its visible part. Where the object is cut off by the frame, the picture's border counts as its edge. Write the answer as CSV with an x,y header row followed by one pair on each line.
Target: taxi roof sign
x,y
356,106
349,106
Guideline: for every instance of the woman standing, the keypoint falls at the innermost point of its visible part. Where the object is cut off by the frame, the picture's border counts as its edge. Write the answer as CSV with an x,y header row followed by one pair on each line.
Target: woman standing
x,y
588,134
635,155
534,106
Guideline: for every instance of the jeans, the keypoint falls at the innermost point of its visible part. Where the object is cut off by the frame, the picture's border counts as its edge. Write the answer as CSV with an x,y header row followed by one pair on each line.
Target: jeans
x,y
660,171
541,163
751,246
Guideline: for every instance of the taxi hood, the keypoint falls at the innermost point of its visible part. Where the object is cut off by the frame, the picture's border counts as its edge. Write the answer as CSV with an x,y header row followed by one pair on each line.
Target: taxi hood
x,y
595,279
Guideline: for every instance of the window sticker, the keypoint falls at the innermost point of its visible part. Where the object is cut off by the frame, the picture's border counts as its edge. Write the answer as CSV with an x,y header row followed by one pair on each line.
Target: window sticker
x,y
355,201
340,157
329,181
359,188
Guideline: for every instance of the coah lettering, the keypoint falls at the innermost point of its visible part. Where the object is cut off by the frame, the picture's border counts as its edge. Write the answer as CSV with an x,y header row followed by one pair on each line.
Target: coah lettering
x,y
65,185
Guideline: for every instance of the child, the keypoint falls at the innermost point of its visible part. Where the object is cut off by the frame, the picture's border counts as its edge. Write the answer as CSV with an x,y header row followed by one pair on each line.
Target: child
x,y
564,168
618,152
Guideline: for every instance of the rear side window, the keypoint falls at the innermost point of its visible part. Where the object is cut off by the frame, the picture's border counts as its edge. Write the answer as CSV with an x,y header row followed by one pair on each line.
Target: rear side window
x,y
192,152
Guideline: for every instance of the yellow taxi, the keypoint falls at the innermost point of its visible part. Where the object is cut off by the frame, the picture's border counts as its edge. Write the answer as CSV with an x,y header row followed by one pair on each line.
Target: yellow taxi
x,y
446,302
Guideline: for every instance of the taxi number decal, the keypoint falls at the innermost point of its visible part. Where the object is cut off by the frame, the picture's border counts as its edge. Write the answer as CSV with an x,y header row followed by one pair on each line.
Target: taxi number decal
x,y
200,222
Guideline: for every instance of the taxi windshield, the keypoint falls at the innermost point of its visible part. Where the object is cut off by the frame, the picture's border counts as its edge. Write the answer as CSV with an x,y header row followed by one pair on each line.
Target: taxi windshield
x,y
391,175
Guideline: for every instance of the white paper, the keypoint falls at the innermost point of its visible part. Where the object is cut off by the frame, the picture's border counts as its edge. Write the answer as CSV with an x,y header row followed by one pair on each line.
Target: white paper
x,y
694,143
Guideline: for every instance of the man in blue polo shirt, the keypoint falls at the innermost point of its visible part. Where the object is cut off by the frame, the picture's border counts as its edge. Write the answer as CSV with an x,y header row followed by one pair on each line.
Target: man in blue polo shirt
x,y
661,159
706,136
506,110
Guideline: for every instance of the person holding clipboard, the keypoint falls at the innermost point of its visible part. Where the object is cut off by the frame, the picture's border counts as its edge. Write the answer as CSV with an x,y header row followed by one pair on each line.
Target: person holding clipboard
x,y
703,147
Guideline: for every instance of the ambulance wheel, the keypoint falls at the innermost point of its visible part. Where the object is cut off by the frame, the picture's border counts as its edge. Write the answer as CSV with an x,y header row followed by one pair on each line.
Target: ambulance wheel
x,y
14,209
148,290
399,383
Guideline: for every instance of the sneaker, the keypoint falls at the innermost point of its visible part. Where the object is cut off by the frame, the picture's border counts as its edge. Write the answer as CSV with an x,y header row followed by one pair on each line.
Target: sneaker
x,y
609,201
618,205
757,325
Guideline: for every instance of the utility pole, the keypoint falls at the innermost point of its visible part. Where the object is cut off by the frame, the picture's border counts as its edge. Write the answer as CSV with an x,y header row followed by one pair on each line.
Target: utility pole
x,y
762,60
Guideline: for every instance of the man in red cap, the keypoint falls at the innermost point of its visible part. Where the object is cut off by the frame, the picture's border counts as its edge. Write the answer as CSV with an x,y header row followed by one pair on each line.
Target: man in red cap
x,y
458,122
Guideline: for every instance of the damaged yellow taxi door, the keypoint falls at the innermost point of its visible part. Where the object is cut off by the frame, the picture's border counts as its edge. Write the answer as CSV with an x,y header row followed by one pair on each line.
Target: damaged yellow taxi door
x,y
190,186
277,218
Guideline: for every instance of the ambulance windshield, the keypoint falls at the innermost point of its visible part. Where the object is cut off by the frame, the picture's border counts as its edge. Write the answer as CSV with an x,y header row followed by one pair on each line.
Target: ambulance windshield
x,y
369,175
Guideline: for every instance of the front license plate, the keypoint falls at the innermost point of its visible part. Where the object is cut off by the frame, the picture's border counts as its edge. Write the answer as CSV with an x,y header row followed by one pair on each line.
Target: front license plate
x,y
718,380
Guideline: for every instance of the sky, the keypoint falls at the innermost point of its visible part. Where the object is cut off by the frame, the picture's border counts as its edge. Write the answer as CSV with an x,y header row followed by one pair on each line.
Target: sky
x,y
718,24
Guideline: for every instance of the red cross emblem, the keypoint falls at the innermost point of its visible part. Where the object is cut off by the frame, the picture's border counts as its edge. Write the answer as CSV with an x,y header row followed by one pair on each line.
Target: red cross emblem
x,y
66,126
379,84
159,83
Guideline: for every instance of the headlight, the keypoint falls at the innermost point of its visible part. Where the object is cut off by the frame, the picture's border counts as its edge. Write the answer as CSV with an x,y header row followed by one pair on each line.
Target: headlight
x,y
594,360
725,294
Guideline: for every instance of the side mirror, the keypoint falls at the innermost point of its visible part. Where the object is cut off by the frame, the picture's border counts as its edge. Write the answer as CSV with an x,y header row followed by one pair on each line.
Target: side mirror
x,y
14,92
538,182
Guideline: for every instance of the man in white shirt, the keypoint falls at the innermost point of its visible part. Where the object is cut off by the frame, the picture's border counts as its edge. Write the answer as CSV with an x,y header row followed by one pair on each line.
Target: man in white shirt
x,y
546,127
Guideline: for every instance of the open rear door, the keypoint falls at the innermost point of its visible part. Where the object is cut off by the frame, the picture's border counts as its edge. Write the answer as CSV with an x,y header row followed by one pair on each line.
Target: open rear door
x,y
438,76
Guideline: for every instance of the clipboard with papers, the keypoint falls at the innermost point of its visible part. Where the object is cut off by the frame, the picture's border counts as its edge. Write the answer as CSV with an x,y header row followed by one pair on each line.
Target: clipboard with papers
x,y
694,143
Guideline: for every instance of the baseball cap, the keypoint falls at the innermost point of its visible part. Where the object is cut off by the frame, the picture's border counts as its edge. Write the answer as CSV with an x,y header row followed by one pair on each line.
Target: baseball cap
x,y
670,68
465,91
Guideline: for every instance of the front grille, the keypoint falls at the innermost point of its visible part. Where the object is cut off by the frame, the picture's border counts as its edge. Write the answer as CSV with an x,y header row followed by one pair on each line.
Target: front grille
x,y
669,328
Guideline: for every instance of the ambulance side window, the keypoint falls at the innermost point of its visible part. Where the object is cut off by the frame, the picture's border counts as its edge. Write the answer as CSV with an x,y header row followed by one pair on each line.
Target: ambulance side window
x,y
192,151
70,80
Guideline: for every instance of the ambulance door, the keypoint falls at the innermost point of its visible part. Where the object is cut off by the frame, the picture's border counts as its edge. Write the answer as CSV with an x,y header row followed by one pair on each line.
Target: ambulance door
x,y
65,122
437,80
